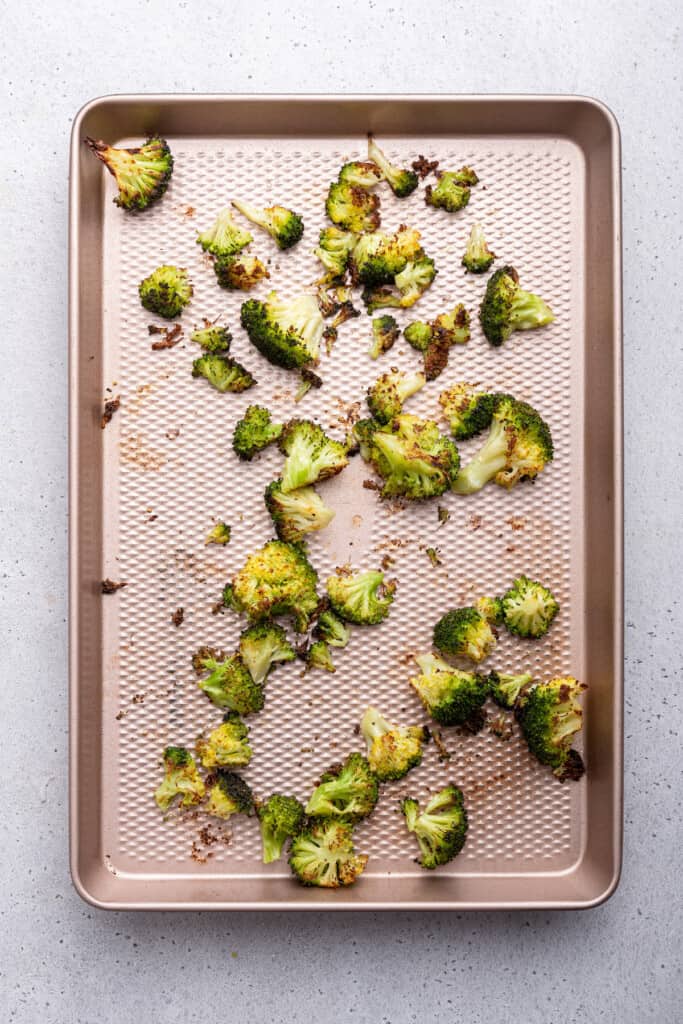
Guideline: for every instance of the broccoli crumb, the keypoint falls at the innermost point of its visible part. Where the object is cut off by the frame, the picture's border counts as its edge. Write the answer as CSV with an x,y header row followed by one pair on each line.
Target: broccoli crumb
x,y
110,586
110,407
443,515
170,337
423,166
177,617
433,555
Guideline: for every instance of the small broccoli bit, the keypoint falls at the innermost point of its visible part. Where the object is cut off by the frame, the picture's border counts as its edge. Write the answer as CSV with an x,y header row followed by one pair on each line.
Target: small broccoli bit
x,y
287,333
227,746
410,284
441,829
222,373
333,251
352,207
254,432
452,191
450,696
323,855
363,173
377,258
392,749
387,395
296,513
142,175
276,580
331,629
491,608
361,597
466,633
505,689
528,608
219,534
435,339
308,380
230,685
181,779
549,715
477,257
411,455
319,655
385,331
283,225
518,447
434,556
263,645
311,455
506,307
347,790
280,818
467,410
225,237
166,291
239,273
401,181
212,338
229,795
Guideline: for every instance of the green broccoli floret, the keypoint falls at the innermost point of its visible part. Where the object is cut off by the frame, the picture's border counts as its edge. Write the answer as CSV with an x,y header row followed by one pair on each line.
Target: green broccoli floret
x,y
239,273
549,715
142,174
435,339
441,829
181,779
222,373
224,237
450,696
491,608
319,655
478,257
528,608
505,689
311,454
230,685
287,333
263,645
386,396
506,307
377,258
333,251
518,447
280,817
361,597
412,282
276,580
226,746
452,192
385,331
401,181
392,749
411,455
229,795
331,629
283,225
363,173
297,512
466,633
254,432
219,534
347,790
212,338
352,208
166,291
468,411
323,855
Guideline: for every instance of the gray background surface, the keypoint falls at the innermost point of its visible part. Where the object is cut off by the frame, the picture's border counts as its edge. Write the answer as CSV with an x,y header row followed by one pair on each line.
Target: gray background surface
x,y
60,960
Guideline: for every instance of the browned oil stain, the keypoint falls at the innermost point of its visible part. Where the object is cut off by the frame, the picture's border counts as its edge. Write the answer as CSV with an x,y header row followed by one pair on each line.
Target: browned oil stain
x,y
135,453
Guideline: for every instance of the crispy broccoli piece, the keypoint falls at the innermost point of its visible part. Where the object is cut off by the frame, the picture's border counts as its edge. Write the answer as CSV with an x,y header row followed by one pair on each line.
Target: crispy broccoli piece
x,y
392,749
505,689
283,225
319,655
402,182
549,715
411,455
385,331
220,534
333,251
212,338
435,339
254,432
506,307
142,174
518,446
386,396
331,629
466,633
229,795
181,779
468,411
280,817
491,608
222,373
441,829
452,192
323,855
230,685
239,273
276,580
224,237
296,513
311,454
263,645
361,597
363,173
478,257
166,291
287,333
450,696
352,208
377,258
412,282
226,746
528,608
347,790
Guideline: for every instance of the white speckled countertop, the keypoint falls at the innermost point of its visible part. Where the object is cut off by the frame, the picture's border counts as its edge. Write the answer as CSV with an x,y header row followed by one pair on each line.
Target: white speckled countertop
x,y
61,962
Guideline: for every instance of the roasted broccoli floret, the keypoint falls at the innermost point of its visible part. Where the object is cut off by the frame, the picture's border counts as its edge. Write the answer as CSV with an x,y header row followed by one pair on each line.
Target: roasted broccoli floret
x,y
528,608
478,257
352,207
411,455
361,597
333,251
212,338
331,629
219,534
287,333
224,237
142,174
276,580
363,173
181,779
311,454
452,191
401,181
465,632
222,373
166,291
392,749
323,854
506,307
280,817
505,689
385,331
450,696
386,396
467,410
239,273
230,685
283,225
254,432
229,795
319,655
412,282
518,447
263,645
441,829
296,513
347,790
491,608
377,258
435,339
549,715
226,746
